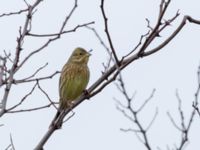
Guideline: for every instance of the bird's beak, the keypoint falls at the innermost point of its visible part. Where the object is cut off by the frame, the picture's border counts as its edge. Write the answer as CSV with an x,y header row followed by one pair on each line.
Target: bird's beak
x,y
89,53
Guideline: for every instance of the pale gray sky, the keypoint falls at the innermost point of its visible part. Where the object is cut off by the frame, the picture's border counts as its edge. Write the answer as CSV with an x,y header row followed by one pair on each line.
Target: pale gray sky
x,y
96,124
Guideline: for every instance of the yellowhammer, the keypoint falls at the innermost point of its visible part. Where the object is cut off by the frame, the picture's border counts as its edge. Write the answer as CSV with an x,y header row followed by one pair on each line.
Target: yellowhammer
x,y
73,79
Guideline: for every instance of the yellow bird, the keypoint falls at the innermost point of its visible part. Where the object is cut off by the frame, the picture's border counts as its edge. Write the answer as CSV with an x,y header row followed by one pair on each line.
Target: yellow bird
x,y
73,79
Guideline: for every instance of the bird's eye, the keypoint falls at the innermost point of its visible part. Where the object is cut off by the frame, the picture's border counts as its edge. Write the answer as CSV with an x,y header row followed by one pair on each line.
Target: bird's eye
x,y
80,53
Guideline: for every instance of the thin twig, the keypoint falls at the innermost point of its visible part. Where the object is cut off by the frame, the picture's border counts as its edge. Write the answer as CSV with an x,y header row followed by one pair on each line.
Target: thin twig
x,y
129,130
51,39
35,73
12,144
22,33
107,32
155,32
133,114
146,101
107,65
14,13
196,101
51,102
61,33
36,79
23,99
139,43
30,109
184,127
153,120
180,110
173,121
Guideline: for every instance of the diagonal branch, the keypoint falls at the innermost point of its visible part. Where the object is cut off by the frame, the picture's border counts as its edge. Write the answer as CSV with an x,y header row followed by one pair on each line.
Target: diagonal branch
x,y
23,99
133,114
109,76
36,79
184,127
154,33
107,32
51,102
60,33
104,77
30,109
35,73
51,39
179,28
14,13
14,68
196,101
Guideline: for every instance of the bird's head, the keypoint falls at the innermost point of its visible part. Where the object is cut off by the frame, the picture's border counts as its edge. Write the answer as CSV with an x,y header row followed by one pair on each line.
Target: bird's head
x,y
79,56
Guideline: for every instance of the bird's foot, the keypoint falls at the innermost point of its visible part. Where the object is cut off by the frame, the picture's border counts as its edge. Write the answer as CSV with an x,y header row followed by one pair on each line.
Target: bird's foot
x,y
87,94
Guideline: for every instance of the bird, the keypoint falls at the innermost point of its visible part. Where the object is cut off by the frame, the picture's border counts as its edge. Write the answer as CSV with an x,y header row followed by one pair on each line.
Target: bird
x,y
74,78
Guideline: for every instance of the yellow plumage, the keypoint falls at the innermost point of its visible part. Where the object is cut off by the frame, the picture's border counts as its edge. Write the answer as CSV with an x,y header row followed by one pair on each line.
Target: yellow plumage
x,y
74,77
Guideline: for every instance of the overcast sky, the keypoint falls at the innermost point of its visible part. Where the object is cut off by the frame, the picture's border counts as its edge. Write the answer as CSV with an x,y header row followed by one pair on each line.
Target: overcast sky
x,y
96,124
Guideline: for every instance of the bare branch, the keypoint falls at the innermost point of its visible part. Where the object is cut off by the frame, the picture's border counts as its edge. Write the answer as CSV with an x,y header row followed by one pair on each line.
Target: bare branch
x,y
107,32
12,144
139,43
8,147
133,116
51,102
99,38
3,61
179,28
23,99
196,102
104,85
68,17
51,39
68,118
30,109
111,73
153,120
107,65
196,108
14,13
37,71
36,79
180,111
146,101
129,130
169,21
173,122
148,24
125,114
154,33
63,32
14,68
185,127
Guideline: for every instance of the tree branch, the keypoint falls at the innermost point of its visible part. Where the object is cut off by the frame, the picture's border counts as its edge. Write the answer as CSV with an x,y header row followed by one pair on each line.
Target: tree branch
x,y
133,117
107,32
14,13
184,127
196,101
63,32
14,67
